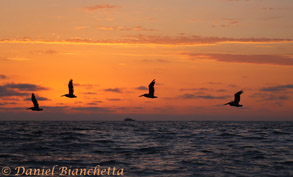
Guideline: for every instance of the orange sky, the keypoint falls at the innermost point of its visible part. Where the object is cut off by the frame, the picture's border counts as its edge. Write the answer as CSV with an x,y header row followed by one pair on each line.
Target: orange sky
x,y
200,53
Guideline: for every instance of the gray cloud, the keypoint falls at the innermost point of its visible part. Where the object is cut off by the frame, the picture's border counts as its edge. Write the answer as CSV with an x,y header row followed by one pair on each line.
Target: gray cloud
x,y
3,76
6,103
221,90
129,108
13,89
141,88
92,109
84,85
6,92
215,83
277,88
94,103
38,98
89,93
193,89
25,87
264,96
116,90
114,99
209,97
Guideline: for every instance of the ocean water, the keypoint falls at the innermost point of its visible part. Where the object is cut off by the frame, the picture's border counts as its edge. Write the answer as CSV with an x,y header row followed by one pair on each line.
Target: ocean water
x,y
154,149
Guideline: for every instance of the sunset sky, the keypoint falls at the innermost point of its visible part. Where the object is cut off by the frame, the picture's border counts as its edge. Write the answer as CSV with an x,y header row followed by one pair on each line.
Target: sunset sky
x,y
200,52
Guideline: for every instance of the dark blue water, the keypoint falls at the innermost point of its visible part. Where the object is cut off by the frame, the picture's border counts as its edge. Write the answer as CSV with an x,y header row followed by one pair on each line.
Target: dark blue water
x,y
165,149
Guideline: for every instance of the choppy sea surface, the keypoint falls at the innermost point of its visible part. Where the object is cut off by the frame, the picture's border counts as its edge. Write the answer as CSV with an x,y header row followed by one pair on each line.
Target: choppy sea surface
x,y
154,149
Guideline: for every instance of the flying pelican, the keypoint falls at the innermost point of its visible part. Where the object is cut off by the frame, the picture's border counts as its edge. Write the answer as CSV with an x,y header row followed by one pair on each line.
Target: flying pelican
x,y
236,100
70,87
151,91
36,105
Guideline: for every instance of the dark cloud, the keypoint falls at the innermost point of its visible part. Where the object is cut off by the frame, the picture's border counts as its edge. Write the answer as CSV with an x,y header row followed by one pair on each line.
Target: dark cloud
x,y
13,89
215,83
262,96
114,99
232,85
141,88
99,7
25,87
277,88
254,59
92,109
38,98
116,90
238,0
221,90
6,103
94,103
84,85
89,93
195,89
277,97
13,109
59,109
6,92
3,76
129,108
209,97
10,99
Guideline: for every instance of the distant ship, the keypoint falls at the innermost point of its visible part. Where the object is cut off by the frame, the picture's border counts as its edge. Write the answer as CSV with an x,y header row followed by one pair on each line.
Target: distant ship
x,y
129,119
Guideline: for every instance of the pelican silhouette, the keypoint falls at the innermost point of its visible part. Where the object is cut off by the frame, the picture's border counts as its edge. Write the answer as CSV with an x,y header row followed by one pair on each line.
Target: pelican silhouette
x,y
236,100
70,87
151,90
36,105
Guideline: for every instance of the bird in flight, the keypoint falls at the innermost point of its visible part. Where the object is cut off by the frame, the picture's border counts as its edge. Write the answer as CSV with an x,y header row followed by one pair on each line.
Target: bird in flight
x,y
151,91
36,105
70,87
236,100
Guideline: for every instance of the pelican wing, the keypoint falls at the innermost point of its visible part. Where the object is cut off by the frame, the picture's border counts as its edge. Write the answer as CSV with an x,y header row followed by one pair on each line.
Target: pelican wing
x,y
35,102
152,88
70,87
237,96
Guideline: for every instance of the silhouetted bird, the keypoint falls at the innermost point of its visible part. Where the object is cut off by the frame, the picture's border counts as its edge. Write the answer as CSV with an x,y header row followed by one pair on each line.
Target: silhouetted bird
x,y
70,87
236,100
151,91
36,105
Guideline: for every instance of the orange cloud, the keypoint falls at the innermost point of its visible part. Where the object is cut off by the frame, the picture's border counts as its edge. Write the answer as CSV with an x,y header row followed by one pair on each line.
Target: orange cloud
x,y
98,7
80,27
227,22
185,40
122,28
153,40
255,59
